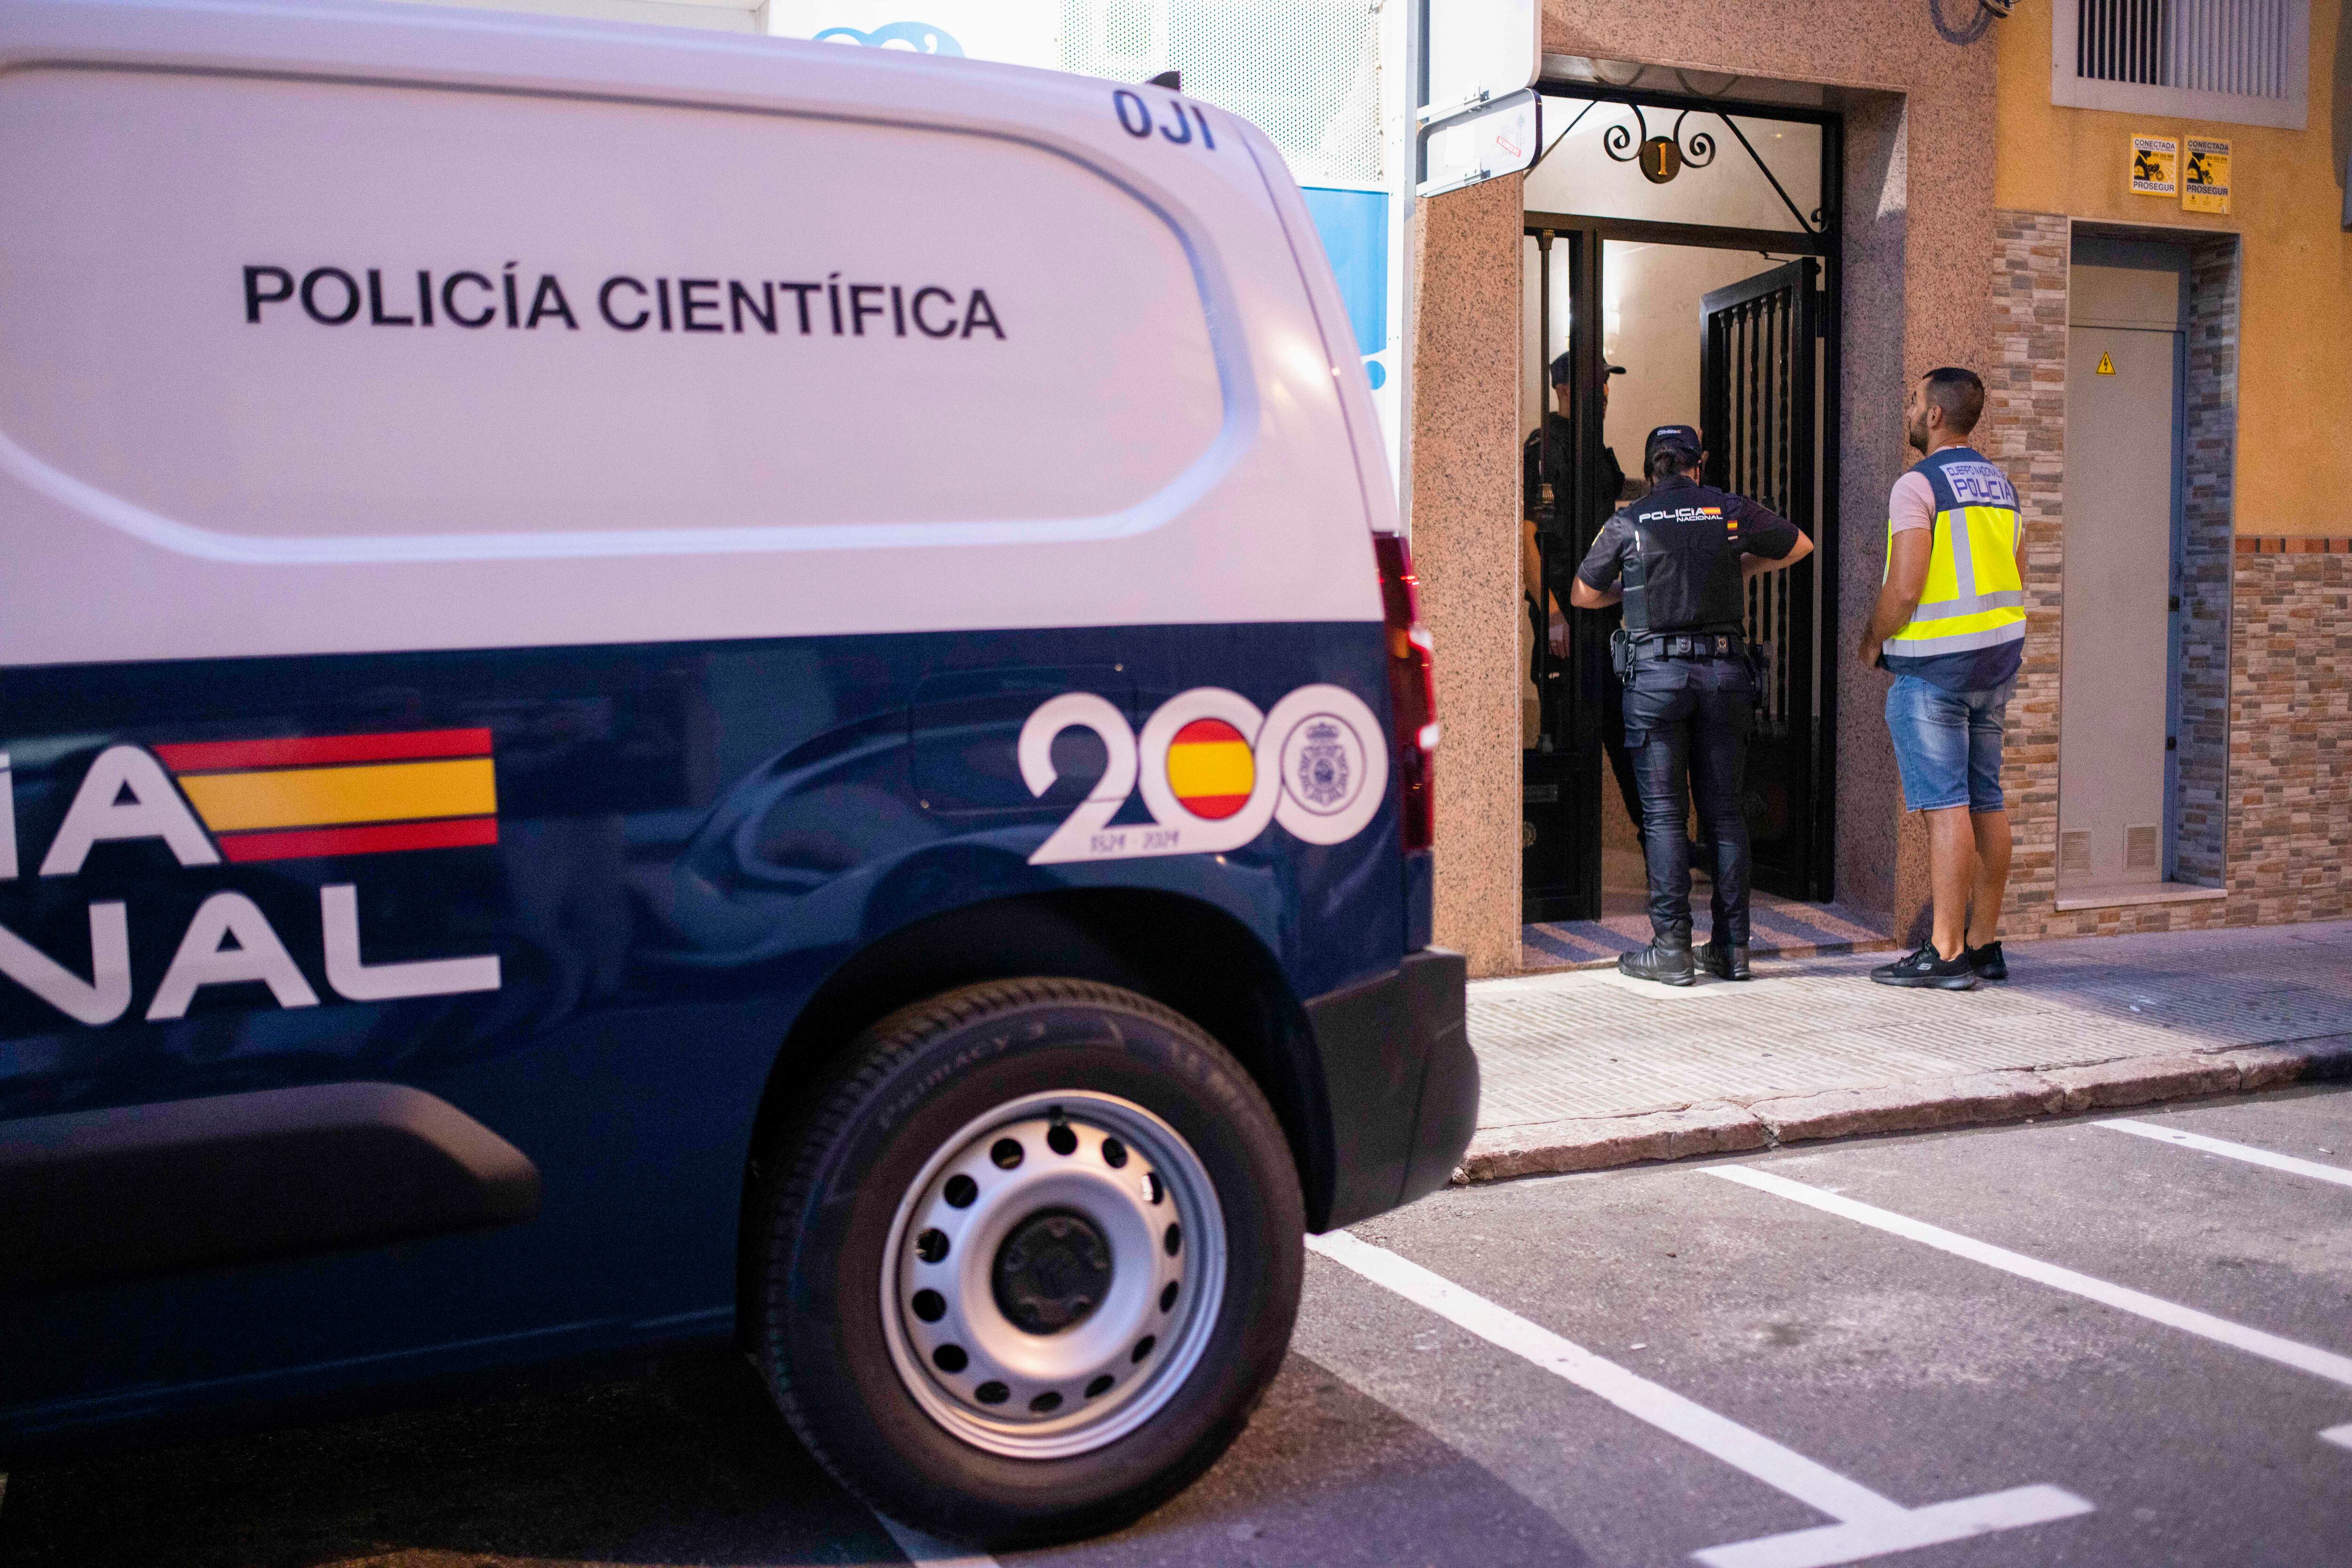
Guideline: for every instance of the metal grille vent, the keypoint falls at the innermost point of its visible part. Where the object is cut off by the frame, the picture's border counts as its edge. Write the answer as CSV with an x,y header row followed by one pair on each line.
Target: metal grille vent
x,y
2140,848
2075,854
2239,47
1307,72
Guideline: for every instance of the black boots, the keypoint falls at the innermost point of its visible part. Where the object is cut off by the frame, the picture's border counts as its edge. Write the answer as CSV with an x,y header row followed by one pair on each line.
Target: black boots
x,y
1670,960
1725,961
1666,961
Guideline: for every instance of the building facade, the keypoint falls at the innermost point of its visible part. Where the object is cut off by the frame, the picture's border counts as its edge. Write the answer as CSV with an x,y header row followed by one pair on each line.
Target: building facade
x,y
2188,570
2264,813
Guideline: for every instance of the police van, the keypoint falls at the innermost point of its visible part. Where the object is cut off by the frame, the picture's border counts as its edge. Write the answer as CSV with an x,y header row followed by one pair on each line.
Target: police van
x,y
661,687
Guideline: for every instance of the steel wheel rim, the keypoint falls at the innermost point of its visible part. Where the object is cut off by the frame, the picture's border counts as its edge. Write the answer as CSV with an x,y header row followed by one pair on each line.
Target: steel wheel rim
x,y
1047,1396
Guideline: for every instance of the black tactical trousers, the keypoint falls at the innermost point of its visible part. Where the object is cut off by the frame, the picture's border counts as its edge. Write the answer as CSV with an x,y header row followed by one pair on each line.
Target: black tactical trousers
x,y
1612,742
1687,719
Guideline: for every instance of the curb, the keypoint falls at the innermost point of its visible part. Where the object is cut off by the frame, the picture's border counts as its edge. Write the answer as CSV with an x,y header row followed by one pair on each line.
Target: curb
x,y
1966,1099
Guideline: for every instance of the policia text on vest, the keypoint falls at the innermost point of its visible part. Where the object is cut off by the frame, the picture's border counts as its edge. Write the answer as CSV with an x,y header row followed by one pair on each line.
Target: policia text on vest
x,y
1951,626
1690,688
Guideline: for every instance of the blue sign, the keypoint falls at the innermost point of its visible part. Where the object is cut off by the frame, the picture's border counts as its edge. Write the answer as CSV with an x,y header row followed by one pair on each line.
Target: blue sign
x,y
1355,229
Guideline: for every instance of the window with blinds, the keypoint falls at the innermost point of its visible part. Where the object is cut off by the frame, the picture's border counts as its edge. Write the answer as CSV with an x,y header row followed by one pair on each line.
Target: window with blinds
x,y
2239,62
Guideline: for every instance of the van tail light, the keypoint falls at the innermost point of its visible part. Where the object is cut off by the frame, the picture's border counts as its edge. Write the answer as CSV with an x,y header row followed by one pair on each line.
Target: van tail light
x,y
1413,689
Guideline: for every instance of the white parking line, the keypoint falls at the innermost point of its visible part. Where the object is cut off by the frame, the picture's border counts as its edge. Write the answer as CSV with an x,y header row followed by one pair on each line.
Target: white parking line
x,y
1868,1525
2339,1436
2155,1309
926,1552
2229,1151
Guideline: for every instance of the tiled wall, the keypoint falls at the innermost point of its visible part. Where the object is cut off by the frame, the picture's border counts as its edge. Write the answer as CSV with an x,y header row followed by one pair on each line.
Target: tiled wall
x,y
2289,797
2211,391
2290,731
2025,430
2266,679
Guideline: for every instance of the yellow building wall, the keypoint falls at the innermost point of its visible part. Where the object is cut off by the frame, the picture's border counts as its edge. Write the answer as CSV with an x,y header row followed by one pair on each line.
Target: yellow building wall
x,y
2295,366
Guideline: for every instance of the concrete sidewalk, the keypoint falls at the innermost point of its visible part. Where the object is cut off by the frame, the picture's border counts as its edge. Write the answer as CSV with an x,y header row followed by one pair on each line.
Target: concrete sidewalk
x,y
1588,1070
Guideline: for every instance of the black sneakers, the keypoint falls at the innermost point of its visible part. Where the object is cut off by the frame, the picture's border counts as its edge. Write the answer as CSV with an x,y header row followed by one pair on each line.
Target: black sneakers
x,y
1987,962
1667,966
1725,962
1924,968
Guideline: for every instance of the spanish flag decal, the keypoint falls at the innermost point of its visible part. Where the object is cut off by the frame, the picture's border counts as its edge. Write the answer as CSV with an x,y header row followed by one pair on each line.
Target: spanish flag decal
x,y
340,795
1210,768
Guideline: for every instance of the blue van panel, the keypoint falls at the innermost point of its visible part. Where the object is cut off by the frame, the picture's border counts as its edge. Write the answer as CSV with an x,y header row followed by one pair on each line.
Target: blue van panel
x,y
686,841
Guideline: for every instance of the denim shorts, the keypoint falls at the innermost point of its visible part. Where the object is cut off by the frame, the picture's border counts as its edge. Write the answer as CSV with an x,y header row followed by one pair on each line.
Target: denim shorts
x,y
1947,744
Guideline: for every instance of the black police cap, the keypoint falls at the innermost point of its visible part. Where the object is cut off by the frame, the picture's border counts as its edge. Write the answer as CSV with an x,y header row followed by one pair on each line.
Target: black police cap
x,y
1682,439
1562,370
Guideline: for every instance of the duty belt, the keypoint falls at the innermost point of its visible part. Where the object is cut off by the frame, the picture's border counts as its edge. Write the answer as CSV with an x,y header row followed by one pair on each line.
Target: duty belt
x,y
1721,645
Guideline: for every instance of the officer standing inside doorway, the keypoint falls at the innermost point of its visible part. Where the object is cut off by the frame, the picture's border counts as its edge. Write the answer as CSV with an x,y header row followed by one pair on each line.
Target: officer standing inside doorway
x,y
1548,484
1676,559
1548,463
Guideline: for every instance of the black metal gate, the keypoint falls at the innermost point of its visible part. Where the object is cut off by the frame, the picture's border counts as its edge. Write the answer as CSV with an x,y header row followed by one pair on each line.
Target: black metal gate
x,y
1758,390
1563,766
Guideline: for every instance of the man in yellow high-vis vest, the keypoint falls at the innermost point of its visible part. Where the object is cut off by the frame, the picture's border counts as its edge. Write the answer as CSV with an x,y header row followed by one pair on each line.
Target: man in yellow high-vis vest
x,y
1951,626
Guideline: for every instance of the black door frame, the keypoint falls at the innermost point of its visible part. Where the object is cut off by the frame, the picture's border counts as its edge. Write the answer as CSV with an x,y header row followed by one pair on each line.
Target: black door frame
x,y
1558,786
1586,232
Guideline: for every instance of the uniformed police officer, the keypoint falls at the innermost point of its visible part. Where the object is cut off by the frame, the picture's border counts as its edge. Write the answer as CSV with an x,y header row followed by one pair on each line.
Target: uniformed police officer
x,y
1548,484
1548,456
1681,552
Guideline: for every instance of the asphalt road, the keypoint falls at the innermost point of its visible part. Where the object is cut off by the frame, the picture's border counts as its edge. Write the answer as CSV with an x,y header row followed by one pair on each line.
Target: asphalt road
x,y
2085,1343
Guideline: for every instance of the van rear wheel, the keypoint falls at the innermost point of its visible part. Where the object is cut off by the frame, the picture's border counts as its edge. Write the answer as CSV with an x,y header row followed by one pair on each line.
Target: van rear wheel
x,y
1032,1262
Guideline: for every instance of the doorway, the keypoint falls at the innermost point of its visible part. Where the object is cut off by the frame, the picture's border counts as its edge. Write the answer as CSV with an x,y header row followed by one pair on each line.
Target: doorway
x,y
1687,300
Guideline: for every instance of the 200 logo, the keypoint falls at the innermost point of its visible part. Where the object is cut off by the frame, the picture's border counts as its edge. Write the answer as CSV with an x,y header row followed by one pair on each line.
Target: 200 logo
x,y
1214,772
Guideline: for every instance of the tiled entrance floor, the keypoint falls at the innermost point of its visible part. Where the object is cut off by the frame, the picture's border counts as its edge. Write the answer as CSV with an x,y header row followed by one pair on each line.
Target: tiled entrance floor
x,y
1778,927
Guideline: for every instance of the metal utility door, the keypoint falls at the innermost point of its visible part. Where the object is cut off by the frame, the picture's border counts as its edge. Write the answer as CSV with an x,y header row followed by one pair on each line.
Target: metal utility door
x,y
1759,386
2122,468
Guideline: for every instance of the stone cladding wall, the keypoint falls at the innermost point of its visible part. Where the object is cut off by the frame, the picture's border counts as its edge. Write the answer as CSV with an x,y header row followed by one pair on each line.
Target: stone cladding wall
x,y
2025,430
2210,393
2290,792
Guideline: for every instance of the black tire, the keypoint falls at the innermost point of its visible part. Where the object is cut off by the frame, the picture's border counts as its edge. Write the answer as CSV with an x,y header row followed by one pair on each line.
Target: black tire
x,y
911,1084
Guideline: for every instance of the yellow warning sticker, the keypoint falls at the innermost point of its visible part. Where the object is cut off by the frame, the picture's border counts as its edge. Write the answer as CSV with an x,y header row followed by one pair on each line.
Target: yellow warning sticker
x,y
2107,365
2155,165
2205,183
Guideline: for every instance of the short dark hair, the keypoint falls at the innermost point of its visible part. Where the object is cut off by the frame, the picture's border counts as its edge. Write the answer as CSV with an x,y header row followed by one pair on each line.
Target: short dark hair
x,y
1960,393
1669,461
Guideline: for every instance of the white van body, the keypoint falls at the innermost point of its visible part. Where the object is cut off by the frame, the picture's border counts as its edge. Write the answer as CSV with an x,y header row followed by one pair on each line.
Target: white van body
x,y
1164,384
662,687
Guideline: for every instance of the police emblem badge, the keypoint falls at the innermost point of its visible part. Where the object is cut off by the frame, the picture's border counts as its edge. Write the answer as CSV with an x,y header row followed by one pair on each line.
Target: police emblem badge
x,y
1322,768
1325,768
